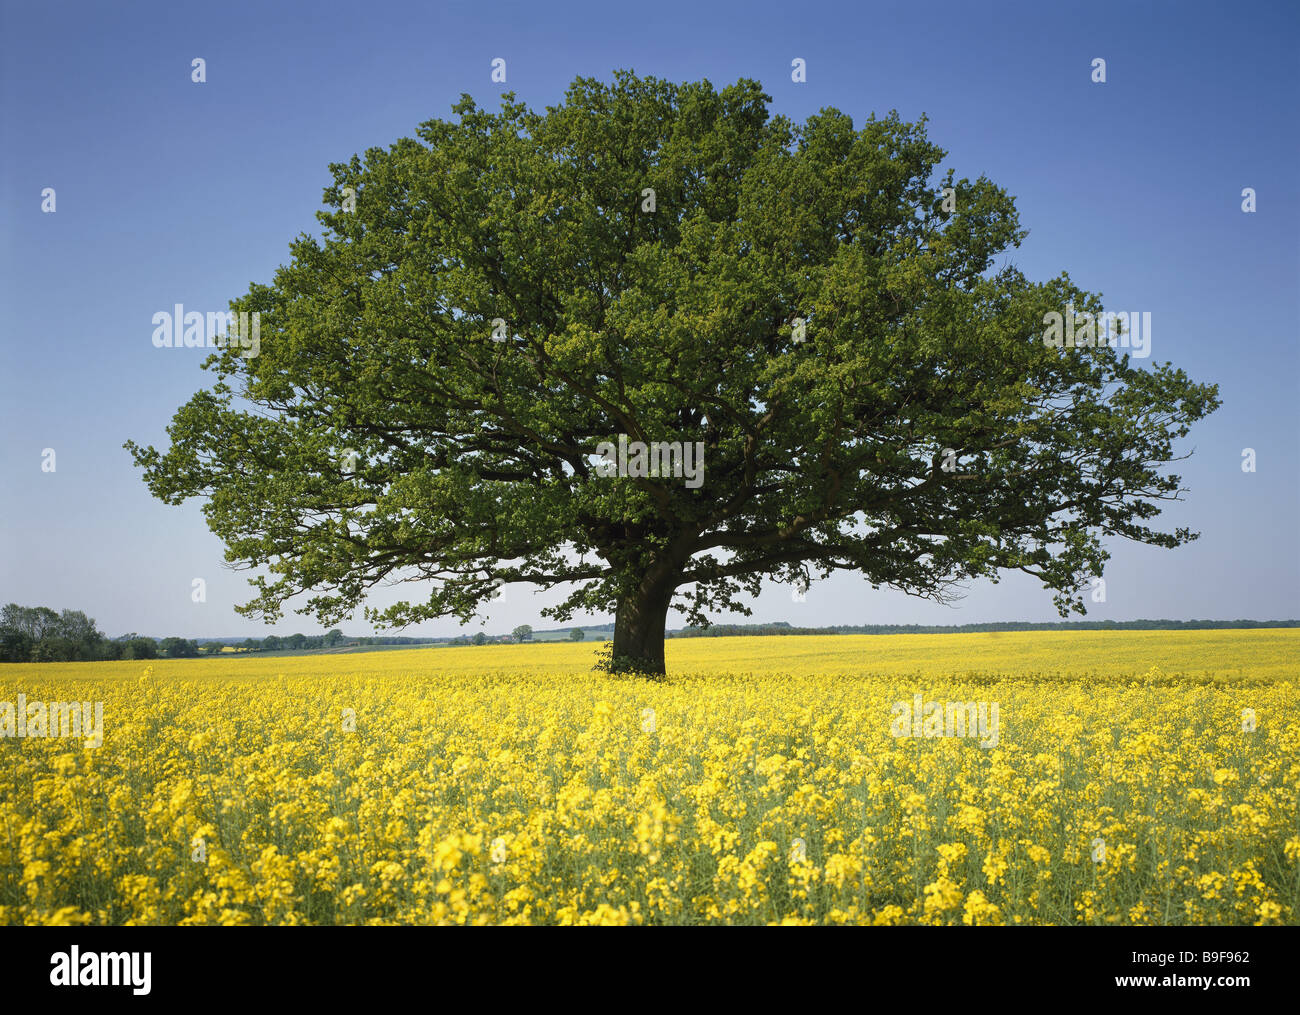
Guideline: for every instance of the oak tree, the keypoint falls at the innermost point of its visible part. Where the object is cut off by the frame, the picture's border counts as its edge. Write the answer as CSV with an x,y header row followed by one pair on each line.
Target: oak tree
x,y
818,307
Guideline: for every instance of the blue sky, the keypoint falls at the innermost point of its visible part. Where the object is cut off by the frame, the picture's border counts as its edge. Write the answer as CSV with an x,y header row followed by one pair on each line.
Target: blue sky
x,y
172,192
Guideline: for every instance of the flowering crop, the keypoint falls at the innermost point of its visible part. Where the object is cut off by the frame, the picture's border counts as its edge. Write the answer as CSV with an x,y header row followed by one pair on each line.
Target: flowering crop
x,y
760,783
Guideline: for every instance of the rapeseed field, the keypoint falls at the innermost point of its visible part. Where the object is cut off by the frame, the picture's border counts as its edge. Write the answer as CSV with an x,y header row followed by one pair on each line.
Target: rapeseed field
x,y
1110,778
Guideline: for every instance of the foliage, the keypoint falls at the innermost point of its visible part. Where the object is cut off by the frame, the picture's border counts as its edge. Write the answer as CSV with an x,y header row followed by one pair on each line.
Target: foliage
x,y
866,374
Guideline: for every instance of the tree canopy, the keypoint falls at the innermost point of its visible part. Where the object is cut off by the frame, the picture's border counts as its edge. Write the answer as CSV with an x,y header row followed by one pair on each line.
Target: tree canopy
x,y
816,307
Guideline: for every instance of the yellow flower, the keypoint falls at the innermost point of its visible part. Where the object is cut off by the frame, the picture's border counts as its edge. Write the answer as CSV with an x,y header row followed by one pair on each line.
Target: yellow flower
x,y
772,743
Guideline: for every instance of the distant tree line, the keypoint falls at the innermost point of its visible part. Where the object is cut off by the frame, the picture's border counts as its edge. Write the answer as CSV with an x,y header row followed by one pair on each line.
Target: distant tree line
x,y
37,634
298,642
522,633
308,642
781,627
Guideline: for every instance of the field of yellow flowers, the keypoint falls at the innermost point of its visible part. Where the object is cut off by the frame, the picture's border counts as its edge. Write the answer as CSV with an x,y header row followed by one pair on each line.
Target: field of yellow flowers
x,y
1137,778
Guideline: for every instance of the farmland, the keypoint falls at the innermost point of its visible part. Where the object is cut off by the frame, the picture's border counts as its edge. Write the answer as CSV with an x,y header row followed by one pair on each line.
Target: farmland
x,y
1125,778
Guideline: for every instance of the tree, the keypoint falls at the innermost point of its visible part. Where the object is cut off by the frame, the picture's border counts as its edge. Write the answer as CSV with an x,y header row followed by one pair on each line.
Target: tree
x,y
332,638
577,634
80,629
140,648
15,646
524,632
442,378
37,622
28,632
479,639
179,648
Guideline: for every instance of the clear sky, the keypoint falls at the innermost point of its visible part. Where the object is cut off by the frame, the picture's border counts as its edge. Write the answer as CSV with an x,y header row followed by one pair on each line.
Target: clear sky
x,y
170,191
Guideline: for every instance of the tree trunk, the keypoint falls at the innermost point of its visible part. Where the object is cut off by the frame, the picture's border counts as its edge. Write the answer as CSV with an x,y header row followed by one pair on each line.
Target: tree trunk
x,y
639,630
